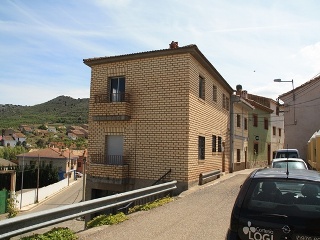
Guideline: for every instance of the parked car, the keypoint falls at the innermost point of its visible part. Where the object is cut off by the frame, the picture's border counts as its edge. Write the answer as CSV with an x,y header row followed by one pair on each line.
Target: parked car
x,y
287,153
275,204
79,174
291,163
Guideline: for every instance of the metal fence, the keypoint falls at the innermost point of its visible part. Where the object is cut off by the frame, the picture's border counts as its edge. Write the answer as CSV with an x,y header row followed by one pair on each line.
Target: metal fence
x,y
29,222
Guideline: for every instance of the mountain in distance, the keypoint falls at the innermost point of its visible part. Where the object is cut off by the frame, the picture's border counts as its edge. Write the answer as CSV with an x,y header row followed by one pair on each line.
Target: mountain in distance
x,y
62,110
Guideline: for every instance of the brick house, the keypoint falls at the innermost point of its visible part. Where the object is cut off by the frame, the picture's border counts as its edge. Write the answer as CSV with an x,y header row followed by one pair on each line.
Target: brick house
x,y
153,115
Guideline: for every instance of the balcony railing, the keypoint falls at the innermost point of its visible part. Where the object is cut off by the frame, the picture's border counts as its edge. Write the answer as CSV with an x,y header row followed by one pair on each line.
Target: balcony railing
x,y
107,160
112,97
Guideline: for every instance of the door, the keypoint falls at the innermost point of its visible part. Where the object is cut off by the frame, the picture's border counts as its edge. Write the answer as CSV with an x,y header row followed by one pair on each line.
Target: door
x,y
114,151
3,201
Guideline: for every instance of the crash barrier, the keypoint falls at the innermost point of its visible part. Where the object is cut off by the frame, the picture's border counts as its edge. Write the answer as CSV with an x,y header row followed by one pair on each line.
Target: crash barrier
x,y
33,221
209,176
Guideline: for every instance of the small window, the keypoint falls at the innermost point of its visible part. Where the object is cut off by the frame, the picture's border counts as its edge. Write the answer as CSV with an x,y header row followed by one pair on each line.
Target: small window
x,y
201,148
266,123
219,144
245,123
214,143
279,132
214,93
238,120
256,149
201,87
274,131
255,120
238,155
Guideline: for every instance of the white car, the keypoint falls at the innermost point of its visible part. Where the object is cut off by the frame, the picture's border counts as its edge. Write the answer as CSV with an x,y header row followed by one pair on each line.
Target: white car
x,y
287,153
292,163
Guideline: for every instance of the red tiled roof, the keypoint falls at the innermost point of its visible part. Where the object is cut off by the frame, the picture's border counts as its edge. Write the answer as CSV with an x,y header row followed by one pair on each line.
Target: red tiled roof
x,y
49,153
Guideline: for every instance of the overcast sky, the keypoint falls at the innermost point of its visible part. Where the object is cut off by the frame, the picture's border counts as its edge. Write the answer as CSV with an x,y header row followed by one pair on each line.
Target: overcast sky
x,y
250,42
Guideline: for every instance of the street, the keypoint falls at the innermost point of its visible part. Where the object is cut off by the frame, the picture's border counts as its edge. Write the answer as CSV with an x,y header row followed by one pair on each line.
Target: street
x,y
203,212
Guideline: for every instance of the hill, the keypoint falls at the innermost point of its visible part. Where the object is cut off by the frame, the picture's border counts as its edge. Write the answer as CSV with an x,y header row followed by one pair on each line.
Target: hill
x,y
62,109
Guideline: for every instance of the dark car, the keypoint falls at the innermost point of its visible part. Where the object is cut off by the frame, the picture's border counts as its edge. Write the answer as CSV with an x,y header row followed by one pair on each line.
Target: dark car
x,y
277,204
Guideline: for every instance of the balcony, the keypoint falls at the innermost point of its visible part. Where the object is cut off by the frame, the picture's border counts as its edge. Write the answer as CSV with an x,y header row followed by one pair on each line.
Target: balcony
x,y
111,107
112,168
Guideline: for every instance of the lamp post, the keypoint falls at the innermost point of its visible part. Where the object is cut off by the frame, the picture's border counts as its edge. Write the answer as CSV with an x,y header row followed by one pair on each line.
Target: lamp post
x,y
293,97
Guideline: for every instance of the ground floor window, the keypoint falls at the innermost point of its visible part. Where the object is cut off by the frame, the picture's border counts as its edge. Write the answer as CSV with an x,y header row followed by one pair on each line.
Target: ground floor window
x,y
201,148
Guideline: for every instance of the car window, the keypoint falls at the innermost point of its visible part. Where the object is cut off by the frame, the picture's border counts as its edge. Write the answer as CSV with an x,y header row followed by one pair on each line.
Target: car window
x,y
291,165
285,197
287,155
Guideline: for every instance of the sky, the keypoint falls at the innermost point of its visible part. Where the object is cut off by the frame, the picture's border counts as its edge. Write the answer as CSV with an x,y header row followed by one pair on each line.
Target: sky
x,y
249,42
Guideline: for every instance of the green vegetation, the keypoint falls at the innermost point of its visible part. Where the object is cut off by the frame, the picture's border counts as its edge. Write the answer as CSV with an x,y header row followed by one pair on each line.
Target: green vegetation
x,y
62,109
151,205
120,217
107,220
10,153
54,234
11,209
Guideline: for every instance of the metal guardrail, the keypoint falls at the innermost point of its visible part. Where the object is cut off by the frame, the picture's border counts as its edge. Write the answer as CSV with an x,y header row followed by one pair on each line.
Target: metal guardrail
x,y
29,222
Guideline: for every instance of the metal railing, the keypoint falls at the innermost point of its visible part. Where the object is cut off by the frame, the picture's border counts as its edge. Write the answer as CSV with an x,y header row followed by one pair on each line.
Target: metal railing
x,y
112,97
107,160
33,221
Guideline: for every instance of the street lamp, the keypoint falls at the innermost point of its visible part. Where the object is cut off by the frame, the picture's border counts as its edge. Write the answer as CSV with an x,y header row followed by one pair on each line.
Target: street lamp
x,y
293,96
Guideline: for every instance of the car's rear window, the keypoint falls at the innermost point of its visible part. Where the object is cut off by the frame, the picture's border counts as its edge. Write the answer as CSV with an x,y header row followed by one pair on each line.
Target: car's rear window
x,y
291,165
284,197
287,155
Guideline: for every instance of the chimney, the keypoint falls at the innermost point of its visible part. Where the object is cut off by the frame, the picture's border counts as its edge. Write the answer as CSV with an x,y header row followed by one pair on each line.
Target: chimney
x,y
244,94
239,90
173,45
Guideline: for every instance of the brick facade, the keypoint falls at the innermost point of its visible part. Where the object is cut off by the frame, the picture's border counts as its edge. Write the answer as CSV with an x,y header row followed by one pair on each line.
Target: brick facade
x,y
160,120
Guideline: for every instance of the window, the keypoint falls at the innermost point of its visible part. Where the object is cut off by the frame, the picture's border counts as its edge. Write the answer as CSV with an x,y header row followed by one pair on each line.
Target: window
x,y
238,120
201,148
117,89
277,111
214,93
256,149
279,132
225,102
266,123
214,143
219,144
79,164
201,87
238,155
245,124
274,131
255,120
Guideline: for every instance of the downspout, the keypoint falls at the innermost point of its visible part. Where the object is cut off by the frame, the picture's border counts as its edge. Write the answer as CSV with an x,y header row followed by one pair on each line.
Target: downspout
x,y
234,98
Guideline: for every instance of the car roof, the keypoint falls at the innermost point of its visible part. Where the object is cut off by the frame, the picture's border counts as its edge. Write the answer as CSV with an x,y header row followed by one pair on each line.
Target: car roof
x,y
300,174
288,159
287,150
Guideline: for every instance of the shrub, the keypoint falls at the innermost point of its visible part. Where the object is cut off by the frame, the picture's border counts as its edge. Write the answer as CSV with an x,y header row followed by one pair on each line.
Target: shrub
x,y
150,205
107,220
54,234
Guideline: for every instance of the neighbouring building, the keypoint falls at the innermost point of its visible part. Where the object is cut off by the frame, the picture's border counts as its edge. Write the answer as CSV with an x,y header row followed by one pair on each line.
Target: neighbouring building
x,y
313,151
259,145
301,115
64,160
157,115
240,109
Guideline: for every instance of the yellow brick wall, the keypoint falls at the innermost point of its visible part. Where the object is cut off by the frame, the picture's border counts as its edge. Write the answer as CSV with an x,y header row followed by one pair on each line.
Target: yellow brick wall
x,y
166,118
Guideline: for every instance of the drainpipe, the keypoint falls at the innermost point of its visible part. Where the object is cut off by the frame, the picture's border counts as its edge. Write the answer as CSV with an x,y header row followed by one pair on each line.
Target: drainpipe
x,y
234,99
